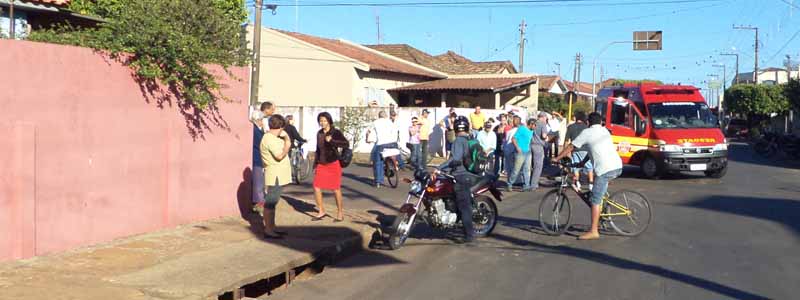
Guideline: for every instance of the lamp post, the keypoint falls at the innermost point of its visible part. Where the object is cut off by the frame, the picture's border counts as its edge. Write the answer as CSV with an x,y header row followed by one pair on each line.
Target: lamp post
x,y
736,78
724,87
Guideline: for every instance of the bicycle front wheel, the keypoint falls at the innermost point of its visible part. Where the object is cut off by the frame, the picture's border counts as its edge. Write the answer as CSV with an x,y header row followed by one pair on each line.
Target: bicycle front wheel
x,y
391,172
303,167
639,216
555,212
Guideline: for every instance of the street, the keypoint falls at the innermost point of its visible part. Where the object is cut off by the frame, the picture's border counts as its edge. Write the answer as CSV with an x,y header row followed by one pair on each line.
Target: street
x,y
729,238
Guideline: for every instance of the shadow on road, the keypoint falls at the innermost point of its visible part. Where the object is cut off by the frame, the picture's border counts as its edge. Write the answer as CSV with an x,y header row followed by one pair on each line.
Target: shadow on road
x,y
624,263
743,153
783,211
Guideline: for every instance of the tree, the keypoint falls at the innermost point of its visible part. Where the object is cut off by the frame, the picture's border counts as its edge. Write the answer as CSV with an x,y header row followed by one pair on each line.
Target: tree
x,y
353,123
757,102
171,42
792,93
551,102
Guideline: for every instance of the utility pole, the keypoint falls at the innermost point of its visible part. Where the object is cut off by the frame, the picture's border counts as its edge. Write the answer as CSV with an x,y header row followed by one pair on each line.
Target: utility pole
x,y
255,70
755,68
578,79
736,78
558,65
378,25
724,87
522,27
788,68
11,29
576,73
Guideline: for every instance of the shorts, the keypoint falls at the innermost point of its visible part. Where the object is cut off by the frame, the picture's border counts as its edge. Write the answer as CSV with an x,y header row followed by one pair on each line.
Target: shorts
x,y
601,185
272,194
577,157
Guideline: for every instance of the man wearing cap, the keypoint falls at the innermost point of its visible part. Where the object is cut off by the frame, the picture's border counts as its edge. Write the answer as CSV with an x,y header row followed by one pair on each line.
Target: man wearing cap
x,y
424,132
487,139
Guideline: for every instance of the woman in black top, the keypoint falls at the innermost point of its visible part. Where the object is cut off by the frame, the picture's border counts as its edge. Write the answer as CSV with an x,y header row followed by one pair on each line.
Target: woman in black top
x,y
328,175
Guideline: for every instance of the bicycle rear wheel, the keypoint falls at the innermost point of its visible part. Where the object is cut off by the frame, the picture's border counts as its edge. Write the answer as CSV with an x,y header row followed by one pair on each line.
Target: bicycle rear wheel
x,y
391,172
640,216
303,167
555,212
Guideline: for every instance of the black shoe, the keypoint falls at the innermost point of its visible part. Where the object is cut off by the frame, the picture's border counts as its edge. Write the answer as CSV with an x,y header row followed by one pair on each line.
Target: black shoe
x,y
272,237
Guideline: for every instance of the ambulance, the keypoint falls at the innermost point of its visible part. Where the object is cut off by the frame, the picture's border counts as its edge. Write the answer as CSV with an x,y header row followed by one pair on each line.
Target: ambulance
x,y
664,129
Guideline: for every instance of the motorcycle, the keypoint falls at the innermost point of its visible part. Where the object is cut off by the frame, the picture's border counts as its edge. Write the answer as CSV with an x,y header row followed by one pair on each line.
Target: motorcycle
x,y
436,204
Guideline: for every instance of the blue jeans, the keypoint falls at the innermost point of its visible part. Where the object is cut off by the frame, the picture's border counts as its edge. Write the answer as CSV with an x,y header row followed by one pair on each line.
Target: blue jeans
x,y
601,185
522,163
377,162
416,156
508,155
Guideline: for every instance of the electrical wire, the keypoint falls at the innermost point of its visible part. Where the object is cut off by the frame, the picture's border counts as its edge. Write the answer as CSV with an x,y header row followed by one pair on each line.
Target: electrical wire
x,y
495,3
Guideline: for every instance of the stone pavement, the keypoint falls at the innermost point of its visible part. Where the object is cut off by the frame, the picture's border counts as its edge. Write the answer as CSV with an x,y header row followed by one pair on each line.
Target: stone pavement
x,y
195,261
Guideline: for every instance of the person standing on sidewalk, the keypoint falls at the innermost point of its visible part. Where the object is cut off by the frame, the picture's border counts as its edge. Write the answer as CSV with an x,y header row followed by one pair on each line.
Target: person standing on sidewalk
x,y
259,126
509,150
449,132
606,162
413,143
425,128
522,161
464,179
476,119
275,148
385,136
500,133
537,153
328,175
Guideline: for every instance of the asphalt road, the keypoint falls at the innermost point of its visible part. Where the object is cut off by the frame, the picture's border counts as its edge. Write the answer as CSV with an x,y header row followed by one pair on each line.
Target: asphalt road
x,y
731,238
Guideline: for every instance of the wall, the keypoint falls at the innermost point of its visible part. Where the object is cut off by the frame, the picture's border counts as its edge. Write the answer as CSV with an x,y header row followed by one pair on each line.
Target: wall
x,y
294,73
380,82
89,155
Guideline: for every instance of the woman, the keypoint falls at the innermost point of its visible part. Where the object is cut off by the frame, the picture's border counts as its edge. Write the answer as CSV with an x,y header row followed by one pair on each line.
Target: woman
x,y
413,143
277,171
328,174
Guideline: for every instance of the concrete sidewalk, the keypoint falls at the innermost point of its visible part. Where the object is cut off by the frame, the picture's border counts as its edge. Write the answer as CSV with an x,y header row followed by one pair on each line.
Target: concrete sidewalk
x,y
195,261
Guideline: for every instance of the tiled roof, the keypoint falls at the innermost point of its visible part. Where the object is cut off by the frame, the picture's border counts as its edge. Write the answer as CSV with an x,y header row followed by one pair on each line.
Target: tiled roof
x,y
583,87
546,82
375,61
449,62
492,84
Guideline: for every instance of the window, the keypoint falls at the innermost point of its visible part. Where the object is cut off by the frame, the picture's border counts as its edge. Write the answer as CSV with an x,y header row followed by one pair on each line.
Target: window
x,y
619,114
600,107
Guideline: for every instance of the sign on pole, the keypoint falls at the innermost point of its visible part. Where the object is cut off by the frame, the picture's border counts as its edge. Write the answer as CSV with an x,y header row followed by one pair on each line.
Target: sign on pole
x,y
647,40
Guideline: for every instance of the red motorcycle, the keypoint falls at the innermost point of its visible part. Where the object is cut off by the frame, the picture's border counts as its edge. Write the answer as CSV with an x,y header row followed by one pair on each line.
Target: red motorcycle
x,y
436,203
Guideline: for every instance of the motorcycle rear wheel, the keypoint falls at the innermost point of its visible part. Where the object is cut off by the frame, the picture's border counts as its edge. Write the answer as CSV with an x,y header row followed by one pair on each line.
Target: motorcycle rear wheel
x,y
401,229
484,215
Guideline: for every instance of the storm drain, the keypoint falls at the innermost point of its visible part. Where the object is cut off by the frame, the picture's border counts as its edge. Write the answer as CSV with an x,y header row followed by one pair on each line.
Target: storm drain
x,y
267,286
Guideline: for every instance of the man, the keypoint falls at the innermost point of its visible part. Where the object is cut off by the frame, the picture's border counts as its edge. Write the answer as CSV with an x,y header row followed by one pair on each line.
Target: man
x,y
573,130
487,139
294,135
537,153
396,145
425,129
267,109
464,179
522,161
449,132
554,135
509,151
385,135
500,133
607,165
476,119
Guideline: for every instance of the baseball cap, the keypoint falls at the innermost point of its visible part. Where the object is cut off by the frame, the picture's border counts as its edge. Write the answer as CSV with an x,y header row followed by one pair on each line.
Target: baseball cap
x,y
425,111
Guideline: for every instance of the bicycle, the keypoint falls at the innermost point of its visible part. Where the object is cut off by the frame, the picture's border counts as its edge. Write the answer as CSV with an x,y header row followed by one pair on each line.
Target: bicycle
x,y
301,167
391,169
627,212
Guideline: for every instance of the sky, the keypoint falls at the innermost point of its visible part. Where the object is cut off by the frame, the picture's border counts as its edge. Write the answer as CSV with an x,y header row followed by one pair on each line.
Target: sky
x,y
695,32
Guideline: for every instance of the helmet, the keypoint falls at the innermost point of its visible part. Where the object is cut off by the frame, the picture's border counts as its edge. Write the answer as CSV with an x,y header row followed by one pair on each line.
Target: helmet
x,y
461,124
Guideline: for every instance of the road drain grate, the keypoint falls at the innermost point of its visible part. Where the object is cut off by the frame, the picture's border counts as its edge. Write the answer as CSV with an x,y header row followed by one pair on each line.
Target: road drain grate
x,y
267,286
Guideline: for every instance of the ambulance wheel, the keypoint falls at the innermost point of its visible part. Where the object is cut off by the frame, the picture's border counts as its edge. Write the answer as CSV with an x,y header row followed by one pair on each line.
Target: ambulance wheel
x,y
718,173
651,169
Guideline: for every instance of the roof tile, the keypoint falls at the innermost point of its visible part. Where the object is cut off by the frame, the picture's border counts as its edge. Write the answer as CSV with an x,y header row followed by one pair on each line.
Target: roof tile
x,y
494,84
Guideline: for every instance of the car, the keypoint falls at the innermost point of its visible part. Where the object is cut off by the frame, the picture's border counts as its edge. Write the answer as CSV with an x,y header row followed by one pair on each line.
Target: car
x,y
736,127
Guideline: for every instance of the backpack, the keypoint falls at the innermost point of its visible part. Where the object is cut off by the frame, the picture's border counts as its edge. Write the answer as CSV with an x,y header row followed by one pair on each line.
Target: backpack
x,y
475,160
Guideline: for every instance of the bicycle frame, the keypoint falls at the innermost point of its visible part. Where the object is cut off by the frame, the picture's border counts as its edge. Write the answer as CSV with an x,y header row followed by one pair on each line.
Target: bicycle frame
x,y
587,197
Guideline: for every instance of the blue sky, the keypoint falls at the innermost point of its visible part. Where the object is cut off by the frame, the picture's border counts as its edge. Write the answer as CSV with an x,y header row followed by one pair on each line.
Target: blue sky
x,y
695,32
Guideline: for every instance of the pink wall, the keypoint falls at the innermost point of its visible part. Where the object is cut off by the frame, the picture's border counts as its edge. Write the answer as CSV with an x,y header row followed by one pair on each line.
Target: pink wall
x,y
87,155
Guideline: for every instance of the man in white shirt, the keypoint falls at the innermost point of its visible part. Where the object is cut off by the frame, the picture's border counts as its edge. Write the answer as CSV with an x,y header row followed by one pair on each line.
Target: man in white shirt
x,y
606,161
386,134
487,139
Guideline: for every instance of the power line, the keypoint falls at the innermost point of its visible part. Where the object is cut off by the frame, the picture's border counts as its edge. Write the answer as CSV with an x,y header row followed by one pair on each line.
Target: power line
x,y
497,3
790,4
784,46
630,18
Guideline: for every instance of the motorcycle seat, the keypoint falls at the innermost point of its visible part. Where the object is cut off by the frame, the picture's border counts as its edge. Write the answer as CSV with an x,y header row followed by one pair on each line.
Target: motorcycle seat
x,y
483,181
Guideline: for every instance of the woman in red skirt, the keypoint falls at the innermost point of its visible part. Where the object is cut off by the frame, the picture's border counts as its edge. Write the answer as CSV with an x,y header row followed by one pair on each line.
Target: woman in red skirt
x,y
328,174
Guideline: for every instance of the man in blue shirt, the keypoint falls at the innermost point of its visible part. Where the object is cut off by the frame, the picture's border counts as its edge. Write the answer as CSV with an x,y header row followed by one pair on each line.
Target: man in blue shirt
x,y
522,162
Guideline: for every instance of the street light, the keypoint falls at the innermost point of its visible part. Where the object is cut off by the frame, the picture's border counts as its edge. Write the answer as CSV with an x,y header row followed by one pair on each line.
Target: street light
x,y
594,60
724,87
737,63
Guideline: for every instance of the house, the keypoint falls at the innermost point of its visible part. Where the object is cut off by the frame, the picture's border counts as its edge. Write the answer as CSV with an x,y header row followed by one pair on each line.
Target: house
x,y
583,89
31,15
552,84
767,76
304,70
448,62
490,84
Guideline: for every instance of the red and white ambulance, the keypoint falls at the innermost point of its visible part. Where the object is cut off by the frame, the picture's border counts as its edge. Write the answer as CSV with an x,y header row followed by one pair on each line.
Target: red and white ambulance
x,y
664,128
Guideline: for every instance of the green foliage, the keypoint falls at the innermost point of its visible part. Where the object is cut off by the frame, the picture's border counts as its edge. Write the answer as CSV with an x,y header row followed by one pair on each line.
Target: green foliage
x,y
792,93
169,41
756,100
551,102
353,123
624,81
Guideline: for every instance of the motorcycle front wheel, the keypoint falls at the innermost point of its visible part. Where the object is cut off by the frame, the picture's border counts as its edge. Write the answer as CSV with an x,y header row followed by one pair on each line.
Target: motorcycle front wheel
x,y
484,215
401,228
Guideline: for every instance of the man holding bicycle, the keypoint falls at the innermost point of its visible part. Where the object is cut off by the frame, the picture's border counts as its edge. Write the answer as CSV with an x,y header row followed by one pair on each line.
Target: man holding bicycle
x,y
386,134
607,165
